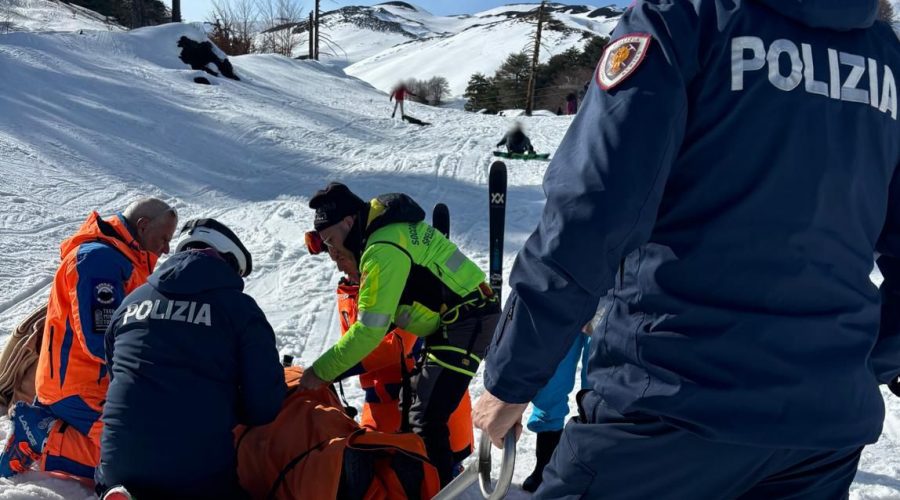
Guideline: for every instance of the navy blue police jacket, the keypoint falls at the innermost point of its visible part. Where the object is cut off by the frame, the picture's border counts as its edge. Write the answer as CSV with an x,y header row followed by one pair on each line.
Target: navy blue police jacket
x,y
722,197
190,356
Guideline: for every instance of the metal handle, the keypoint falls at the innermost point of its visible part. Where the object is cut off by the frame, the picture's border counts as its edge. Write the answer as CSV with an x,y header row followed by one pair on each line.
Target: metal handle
x,y
480,470
507,466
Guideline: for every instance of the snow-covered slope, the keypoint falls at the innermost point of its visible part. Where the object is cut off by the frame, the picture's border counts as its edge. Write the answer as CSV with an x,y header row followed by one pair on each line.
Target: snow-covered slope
x,y
92,121
396,40
50,15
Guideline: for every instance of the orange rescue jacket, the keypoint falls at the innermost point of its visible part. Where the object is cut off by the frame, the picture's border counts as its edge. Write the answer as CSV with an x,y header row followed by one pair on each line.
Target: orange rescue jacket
x,y
101,264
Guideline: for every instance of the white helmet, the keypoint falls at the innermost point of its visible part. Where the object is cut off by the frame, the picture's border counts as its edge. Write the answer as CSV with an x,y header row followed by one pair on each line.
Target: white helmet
x,y
214,234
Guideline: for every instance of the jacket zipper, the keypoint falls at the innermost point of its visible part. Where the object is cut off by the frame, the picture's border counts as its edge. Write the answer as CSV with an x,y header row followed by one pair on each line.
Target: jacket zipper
x,y
50,351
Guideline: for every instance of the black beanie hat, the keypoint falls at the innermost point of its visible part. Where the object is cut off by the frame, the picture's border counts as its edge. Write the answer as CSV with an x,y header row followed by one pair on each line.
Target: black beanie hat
x,y
334,203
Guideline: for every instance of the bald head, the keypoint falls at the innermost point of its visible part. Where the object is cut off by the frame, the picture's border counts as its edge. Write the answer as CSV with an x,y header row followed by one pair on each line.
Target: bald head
x,y
153,222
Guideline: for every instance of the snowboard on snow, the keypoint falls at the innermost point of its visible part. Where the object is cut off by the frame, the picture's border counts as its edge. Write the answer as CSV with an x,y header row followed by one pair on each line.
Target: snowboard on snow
x,y
414,121
497,223
522,156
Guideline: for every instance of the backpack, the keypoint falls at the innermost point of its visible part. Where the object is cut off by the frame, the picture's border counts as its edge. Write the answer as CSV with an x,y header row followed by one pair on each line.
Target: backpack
x,y
18,361
314,450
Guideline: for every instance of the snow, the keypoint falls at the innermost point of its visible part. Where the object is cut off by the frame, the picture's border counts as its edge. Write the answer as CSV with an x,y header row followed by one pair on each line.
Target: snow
x,y
94,120
457,57
351,43
455,47
50,15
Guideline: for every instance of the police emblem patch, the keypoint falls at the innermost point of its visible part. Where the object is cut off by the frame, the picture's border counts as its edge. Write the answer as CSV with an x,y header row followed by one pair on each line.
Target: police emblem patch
x,y
621,58
105,293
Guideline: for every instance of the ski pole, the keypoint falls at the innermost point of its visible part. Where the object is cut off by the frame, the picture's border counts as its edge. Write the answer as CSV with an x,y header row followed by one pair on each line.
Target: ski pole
x,y
480,470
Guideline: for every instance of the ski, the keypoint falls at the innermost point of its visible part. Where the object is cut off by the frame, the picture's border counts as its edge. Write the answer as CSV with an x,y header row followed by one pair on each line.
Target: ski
x,y
497,213
440,219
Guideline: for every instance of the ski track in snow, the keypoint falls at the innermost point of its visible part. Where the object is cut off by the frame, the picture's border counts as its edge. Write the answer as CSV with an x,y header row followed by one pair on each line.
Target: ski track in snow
x,y
92,121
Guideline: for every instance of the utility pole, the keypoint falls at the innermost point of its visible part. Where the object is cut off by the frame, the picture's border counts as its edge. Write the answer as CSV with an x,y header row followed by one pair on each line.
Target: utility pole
x,y
176,11
312,33
529,98
318,20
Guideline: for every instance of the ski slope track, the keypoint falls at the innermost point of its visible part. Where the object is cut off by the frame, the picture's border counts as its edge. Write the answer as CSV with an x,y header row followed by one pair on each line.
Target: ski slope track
x,y
94,120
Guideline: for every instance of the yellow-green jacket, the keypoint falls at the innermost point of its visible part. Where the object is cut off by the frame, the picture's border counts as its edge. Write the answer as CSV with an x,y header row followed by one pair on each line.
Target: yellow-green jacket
x,y
410,275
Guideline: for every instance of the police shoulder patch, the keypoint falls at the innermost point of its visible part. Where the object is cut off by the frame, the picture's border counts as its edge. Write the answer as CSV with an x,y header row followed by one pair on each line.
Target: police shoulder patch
x,y
621,58
104,293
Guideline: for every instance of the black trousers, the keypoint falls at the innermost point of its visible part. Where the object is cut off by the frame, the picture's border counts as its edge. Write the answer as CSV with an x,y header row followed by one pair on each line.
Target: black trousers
x,y
452,356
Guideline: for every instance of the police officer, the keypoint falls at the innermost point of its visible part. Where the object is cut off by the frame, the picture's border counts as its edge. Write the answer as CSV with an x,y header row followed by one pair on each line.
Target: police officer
x,y
722,192
190,356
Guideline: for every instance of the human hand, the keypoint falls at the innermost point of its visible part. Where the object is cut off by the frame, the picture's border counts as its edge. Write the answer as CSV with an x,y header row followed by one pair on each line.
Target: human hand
x,y
496,417
309,381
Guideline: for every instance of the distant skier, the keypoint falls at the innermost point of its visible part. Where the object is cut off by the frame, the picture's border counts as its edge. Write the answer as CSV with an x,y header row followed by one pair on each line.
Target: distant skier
x,y
516,141
190,356
411,276
571,103
744,342
102,262
398,95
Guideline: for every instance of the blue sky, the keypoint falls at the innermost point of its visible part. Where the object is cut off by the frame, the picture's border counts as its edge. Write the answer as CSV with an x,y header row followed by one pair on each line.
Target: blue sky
x,y
197,10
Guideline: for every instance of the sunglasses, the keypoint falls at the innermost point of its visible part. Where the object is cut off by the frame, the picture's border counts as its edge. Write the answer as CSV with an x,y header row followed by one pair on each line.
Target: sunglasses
x,y
314,243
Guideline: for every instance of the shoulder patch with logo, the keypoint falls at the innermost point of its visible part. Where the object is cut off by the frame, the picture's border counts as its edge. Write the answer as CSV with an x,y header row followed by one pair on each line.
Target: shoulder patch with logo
x,y
621,58
105,293
103,304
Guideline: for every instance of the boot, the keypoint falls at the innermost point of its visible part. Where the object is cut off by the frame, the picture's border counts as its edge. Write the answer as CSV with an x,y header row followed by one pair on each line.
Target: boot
x,y
546,445
30,428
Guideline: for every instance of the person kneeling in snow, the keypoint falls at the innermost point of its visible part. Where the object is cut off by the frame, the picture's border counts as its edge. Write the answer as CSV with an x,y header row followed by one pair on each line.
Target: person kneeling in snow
x,y
516,141
190,356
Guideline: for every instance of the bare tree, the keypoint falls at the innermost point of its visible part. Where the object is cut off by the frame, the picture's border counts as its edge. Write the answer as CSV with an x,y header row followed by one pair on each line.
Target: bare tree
x,y
234,26
280,19
535,58
176,11
438,89
886,11
5,15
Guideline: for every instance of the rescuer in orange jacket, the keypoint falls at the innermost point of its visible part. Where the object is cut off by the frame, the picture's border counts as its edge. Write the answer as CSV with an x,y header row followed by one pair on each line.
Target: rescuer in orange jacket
x,y
101,263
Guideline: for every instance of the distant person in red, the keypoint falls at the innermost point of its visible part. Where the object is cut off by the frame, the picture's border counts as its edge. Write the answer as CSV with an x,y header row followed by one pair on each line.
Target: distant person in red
x,y
398,95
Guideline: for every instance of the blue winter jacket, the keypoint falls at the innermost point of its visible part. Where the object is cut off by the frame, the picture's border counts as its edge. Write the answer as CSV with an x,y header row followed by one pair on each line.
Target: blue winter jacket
x,y
726,197
190,356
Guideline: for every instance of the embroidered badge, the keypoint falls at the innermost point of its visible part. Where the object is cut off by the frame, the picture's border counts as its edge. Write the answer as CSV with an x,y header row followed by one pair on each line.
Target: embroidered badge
x,y
104,305
105,293
621,58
